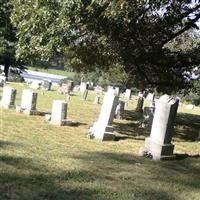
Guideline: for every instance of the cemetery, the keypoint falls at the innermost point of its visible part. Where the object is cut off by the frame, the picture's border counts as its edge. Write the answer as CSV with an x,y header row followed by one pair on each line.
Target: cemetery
x,y
42,159
99,100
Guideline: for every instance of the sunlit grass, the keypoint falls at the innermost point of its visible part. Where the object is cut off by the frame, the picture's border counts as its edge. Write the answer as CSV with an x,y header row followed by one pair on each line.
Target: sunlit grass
x,y
42,161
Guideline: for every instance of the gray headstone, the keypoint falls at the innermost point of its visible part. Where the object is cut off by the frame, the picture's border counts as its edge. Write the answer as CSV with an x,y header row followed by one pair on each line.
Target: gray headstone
x,y
59,113
119,110
102,129
158,145
85,93
140,103
47,84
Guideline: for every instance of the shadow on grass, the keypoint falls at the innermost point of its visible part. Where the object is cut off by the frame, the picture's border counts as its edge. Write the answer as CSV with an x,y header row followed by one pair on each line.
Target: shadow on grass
x,y
187,126
27,179
103,176
130,130
5,144
148,179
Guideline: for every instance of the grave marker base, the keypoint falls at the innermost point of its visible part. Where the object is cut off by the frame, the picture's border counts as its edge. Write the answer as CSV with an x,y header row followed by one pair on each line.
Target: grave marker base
x,y
157,151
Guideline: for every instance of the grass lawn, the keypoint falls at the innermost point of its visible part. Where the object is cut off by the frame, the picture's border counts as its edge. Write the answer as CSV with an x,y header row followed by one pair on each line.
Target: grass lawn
x,y
53,71
42,161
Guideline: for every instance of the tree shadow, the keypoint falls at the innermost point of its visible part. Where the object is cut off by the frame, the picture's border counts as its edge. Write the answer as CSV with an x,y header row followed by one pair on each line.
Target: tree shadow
x,y
130,130
28,179
145,174
187,126
6,144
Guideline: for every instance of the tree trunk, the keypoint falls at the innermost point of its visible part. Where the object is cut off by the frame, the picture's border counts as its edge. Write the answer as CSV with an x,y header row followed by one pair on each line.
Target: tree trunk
x,y
6,69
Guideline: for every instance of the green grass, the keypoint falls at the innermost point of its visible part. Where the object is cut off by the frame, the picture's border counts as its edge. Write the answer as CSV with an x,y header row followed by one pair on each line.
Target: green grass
x,y
42,161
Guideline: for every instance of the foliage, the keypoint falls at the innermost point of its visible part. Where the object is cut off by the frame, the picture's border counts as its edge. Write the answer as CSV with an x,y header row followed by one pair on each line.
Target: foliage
x,y
100,34
7,37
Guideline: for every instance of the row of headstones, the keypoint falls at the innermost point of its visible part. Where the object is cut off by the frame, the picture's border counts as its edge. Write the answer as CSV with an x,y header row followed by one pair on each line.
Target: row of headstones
x,y
45,84
158,145
28,106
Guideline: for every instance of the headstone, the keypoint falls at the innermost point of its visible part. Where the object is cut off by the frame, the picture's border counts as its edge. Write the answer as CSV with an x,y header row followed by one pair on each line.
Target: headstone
x,y
97,100
47,84
119,110
128,94
126,105
150,97
140,103
148,116
65,89
158,145
59,113
8,97
35,85
28,102
2,80
102,128
85,93
71,85
83,86
116,89
98,89
190,106
76,88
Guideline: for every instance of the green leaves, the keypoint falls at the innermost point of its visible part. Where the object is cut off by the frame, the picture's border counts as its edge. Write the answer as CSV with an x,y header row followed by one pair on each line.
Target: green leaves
x,y
102,34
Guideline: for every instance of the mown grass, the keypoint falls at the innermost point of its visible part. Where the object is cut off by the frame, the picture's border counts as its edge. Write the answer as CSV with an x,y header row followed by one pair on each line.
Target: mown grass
x,y
53,71
42,161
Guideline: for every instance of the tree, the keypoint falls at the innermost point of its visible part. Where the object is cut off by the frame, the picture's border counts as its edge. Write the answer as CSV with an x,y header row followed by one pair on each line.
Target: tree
x,y
7,37
102,34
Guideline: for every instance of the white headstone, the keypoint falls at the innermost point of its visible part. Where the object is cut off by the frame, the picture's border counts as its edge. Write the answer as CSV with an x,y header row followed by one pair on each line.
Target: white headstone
x,y
35,85
158,145
128,94
59,112
2,80
29,100
97,100
102,129
8,97
190,106
83,87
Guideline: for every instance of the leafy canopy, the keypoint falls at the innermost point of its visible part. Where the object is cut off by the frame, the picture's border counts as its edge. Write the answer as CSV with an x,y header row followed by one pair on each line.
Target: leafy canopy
x,y
105,33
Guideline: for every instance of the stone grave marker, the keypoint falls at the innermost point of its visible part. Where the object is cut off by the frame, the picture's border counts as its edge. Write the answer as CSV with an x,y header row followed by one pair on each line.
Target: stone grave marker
x,y
119,110
8,97
190,106
59,113
65,89
36,85
128,94
148,116
28,102
47,84
102,128
85,94
158,145
140,102
2,80
97,100
83,86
